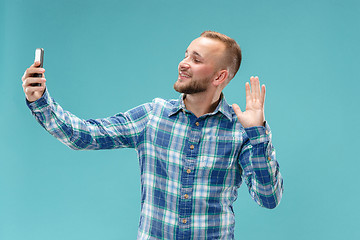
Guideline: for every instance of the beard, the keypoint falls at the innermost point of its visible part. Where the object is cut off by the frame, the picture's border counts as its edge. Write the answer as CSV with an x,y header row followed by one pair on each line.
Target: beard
x,y
193,86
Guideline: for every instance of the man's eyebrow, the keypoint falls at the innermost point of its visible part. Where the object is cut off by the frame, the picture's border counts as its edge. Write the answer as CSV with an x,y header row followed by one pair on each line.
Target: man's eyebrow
x,y
195,53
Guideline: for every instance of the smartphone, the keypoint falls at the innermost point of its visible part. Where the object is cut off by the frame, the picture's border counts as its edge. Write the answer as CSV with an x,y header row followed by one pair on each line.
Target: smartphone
x,y
39,57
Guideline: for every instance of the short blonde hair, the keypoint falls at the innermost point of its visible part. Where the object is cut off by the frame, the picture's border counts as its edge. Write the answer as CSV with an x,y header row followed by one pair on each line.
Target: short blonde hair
x,y
232,56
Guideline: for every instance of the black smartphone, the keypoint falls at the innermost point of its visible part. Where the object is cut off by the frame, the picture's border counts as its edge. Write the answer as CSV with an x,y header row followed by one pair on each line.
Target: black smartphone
x,y
39,57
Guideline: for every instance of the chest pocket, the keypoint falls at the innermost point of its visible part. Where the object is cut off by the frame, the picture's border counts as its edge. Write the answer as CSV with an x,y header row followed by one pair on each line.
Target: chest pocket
x,y
219,151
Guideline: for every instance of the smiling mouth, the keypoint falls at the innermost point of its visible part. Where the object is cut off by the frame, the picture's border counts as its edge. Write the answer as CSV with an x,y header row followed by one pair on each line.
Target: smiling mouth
x,y
183,75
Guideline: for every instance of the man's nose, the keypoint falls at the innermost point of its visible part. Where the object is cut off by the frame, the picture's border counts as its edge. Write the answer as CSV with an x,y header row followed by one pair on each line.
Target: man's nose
x,y
184,64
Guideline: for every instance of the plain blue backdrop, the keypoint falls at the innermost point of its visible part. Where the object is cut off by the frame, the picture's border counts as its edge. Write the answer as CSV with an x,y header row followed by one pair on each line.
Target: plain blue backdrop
x,y
104,57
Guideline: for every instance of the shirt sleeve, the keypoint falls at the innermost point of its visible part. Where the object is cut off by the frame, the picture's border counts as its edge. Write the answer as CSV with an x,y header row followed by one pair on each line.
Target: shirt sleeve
x,y
260,168
119,131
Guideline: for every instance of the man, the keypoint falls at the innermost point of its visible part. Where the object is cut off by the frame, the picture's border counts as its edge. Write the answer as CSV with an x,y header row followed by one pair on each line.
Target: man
x,y
193,152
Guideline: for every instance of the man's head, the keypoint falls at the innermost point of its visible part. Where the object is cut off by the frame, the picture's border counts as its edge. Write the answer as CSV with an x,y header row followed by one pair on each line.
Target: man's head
x,y
210,60
232,54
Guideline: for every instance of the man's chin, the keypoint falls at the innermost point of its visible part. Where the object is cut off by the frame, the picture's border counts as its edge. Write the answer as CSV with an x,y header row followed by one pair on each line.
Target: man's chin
x,y
181,88
188,90
177,88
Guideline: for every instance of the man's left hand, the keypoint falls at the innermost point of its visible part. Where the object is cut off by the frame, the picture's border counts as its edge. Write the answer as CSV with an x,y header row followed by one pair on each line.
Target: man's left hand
x,y
254,113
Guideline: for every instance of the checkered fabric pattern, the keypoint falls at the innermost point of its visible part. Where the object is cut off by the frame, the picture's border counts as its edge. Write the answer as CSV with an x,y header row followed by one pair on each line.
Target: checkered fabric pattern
x,y
191,167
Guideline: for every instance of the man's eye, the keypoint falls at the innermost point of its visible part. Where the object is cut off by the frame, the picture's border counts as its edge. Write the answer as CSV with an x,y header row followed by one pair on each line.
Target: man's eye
x,y
196,60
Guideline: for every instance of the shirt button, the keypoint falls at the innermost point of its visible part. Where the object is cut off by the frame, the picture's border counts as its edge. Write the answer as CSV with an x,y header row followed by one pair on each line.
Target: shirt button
x,y
186,196
184,221
192,147
197,123
267,132
188,171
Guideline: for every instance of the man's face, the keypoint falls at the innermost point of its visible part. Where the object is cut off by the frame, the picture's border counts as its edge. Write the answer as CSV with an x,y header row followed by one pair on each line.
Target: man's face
x,y
200,65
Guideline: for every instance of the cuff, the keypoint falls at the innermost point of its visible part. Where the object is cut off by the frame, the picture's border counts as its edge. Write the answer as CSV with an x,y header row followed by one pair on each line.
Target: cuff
x,y
259,134
40,103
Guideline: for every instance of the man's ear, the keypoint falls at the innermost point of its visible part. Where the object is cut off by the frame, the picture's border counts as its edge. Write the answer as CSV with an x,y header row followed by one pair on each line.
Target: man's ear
x,y
221,77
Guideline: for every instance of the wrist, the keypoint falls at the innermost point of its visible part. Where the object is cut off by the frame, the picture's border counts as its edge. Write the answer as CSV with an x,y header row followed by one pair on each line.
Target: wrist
x,y
259,134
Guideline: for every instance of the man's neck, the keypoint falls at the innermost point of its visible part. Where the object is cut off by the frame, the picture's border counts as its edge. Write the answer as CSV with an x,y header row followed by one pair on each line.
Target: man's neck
x,y
201,103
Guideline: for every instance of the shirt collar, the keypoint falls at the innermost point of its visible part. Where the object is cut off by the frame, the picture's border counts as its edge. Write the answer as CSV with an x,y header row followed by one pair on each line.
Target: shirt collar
x,y
223,107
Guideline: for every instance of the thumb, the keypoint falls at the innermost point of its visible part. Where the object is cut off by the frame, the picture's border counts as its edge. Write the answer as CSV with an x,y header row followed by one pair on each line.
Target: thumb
x,y
237,110
36,64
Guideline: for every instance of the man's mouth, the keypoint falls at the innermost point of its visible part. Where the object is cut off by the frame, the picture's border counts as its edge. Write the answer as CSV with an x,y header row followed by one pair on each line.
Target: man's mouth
x,y
183,75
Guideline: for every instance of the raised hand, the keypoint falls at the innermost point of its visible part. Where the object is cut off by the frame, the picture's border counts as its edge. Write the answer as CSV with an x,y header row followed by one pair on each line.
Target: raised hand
x,y
33,92
254,114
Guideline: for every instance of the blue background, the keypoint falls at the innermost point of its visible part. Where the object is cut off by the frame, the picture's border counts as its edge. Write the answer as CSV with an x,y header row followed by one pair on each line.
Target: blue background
x,y
103,57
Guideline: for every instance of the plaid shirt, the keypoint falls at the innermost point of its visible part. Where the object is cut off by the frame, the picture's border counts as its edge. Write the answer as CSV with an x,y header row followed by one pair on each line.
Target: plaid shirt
x,y
191,167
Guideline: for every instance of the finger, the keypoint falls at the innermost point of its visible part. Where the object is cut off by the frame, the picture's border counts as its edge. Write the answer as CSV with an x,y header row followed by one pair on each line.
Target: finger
x,y
237,110
36,64
256,87
263,92
31,70
247,91
32,80
30,73
252,82
32,89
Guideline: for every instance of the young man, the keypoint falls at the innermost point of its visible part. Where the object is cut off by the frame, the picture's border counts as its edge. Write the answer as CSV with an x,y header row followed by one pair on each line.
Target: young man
x,y
194,152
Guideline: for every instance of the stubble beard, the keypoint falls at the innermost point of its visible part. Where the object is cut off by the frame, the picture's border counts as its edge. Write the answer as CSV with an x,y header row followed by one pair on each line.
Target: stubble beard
x,y
192,87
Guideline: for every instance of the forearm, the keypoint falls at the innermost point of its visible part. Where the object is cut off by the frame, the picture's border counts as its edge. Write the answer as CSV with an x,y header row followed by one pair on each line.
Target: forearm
x,y
74,132
261,169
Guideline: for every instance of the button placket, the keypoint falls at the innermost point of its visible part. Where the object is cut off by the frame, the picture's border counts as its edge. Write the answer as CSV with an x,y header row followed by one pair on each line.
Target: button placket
x,y
187,176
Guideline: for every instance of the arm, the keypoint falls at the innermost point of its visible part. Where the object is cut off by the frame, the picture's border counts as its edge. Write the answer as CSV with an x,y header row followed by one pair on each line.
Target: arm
x,y
121,130
257,157
260,168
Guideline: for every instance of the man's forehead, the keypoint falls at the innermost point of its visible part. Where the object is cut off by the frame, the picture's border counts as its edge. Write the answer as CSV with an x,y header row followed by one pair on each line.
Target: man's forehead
x,y
204,46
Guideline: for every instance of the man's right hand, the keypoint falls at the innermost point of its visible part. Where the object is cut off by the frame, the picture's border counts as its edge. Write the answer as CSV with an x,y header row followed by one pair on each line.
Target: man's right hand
x,y
33,93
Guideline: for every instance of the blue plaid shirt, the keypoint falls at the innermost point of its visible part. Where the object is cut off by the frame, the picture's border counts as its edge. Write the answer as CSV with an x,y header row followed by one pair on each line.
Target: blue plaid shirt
x,y
191,167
